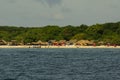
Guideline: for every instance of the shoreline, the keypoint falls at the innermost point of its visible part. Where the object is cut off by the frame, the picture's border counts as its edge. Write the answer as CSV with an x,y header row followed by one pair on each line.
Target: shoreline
x,y
67,46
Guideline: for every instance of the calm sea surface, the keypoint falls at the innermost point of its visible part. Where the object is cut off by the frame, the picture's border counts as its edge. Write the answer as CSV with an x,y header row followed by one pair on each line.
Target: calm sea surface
x,y
59,64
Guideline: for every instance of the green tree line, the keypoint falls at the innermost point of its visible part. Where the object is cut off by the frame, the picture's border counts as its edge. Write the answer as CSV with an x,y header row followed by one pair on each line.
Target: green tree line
x,y
107,32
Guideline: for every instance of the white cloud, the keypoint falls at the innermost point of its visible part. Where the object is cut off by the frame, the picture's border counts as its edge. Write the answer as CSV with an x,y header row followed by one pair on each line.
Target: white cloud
x,y
51,3
58,16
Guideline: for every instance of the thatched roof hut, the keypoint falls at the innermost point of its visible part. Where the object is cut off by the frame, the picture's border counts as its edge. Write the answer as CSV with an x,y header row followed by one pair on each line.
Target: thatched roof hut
x,y
71,42
84,42
62,41
39,43
3,42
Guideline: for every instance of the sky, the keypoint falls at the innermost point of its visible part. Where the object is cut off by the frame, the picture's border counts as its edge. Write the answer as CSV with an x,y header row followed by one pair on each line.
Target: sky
x,y
33,13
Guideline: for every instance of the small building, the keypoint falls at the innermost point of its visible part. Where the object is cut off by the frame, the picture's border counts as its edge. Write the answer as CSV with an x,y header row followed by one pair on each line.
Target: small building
x,y
13,42
71,42
84,42
62,42
39,43
3,42
51,42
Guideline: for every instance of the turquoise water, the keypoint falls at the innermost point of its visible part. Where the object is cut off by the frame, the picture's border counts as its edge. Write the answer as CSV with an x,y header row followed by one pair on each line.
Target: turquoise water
x,y
60,64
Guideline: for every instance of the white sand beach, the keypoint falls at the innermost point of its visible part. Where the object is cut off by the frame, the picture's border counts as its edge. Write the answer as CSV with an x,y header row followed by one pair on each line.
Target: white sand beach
x,y
80,46
6,46
67,46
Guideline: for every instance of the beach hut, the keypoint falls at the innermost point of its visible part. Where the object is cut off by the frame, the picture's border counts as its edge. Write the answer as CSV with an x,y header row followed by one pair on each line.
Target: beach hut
x,y
71,42
62,42
3,42
101,43
51,42
84,42
13,42
39,42
55,43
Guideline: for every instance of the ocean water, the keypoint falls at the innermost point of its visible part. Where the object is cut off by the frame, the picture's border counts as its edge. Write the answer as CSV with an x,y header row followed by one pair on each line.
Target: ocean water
x,y
60,64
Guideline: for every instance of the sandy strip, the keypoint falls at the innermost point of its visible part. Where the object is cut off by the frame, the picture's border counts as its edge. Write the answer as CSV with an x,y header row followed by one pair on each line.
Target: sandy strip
x,y
71,46
80,47
14,46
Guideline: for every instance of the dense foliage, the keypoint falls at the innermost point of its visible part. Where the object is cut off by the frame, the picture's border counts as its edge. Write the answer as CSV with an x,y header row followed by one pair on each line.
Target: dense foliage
x,y
108,32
